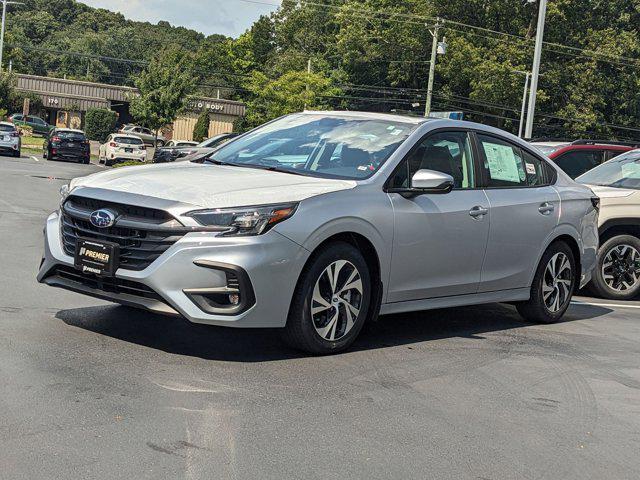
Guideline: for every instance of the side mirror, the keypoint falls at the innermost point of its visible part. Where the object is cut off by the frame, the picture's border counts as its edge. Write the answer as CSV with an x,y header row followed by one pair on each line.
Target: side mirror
x,y
431,181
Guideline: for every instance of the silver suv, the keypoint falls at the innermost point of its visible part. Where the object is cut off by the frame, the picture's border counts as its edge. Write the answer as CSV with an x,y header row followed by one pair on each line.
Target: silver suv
x,y
317,222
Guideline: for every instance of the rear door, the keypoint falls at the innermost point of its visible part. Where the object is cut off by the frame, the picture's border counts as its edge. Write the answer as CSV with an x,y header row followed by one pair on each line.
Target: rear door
x,y
524,209
439,239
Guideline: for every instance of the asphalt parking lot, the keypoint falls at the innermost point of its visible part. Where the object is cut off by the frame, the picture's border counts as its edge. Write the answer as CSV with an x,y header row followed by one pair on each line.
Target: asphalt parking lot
x,y
93,390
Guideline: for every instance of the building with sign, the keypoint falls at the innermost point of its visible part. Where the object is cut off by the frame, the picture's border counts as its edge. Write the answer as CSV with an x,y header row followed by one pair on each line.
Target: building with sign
x,y
65,103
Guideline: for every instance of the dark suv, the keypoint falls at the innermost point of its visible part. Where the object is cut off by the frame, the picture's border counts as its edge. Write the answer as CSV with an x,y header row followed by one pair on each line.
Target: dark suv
x,y
67,144
578,157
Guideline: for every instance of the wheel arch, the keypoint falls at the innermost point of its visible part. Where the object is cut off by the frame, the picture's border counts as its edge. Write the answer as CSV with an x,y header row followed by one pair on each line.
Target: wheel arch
x,y
370,253
568,235
619,226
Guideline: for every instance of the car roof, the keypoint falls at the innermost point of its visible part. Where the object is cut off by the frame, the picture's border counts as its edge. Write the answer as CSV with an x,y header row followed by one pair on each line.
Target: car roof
x,y
370,116
125,135
8,124
598,146
70,130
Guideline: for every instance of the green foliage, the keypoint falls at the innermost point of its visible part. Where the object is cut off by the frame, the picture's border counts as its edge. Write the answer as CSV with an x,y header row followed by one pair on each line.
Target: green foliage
x,y
292,92
6,93
17,102
201,128
100,123
164,88
371,55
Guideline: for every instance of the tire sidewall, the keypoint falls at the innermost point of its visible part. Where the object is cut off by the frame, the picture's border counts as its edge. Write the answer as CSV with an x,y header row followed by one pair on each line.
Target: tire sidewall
x,y
546,315
302,311
600,286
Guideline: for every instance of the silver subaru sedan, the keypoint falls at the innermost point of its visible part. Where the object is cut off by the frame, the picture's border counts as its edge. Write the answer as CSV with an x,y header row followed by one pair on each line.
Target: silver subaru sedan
x,y
317,222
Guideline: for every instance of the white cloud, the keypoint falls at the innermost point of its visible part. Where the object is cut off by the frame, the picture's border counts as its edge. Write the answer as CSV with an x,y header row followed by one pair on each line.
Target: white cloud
x,y
227,17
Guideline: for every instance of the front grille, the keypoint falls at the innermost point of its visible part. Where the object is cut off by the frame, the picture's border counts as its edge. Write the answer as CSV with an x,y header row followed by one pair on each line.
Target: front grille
x,y
147,235
107,284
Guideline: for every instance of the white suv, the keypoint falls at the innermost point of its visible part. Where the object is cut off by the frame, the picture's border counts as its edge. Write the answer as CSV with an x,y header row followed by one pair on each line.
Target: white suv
x,y
122,148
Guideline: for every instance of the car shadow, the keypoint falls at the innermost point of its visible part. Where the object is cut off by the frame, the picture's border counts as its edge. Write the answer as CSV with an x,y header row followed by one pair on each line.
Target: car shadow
x,y
178,336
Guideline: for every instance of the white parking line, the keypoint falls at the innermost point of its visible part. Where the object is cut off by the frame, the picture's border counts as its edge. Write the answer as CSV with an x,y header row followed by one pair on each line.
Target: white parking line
x,y
611,305
34,158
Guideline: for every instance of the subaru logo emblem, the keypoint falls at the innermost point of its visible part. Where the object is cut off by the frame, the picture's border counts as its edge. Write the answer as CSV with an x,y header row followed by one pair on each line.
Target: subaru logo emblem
x,y
103,218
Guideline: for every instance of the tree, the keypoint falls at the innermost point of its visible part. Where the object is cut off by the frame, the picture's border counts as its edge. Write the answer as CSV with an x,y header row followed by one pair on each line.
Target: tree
x,y
99,123
164,87
292,92
201,128
6,92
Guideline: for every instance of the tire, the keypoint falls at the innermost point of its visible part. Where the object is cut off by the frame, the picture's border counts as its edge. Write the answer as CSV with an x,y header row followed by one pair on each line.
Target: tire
x,y
17,154
334,327
624,251
541,306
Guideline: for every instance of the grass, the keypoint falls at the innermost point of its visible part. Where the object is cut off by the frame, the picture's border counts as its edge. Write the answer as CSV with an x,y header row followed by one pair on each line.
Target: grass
x,y
132,163
32,142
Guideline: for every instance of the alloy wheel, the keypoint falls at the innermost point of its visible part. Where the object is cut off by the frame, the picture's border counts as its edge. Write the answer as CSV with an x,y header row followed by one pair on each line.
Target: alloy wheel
x,y
557,283
336,300
621,268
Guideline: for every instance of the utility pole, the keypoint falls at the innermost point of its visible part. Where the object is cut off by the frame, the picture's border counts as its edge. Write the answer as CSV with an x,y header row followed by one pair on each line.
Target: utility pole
x,y
524,101
307,87
432,66
535,72
4,15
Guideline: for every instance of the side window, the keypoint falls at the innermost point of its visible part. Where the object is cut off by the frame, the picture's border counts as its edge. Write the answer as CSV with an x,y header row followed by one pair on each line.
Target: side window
x,y
446,152
609,154
503,163
579,161
538,172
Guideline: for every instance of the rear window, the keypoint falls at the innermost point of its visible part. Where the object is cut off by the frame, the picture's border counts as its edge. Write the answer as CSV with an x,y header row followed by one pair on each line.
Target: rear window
x,y
73,136
7,128
128,140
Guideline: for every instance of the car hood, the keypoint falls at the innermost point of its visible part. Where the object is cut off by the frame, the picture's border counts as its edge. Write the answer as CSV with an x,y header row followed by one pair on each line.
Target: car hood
x,y
610,192
211,186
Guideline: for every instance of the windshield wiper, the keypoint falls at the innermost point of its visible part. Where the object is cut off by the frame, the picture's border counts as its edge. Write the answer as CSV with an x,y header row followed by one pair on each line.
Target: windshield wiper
x,y
270,168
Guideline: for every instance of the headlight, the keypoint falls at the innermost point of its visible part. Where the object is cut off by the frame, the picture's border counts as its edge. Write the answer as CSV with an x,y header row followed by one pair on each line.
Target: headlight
x,y
244,221
65,190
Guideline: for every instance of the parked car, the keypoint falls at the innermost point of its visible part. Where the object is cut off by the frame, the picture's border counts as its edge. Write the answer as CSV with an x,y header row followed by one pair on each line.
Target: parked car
x,y
67,144
121,147
37,124
617,183
207,147
10,141
385,214
173,150
147,136
578,157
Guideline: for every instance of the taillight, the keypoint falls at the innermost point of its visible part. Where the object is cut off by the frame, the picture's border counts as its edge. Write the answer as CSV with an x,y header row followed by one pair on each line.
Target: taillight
x,y
55,139
113,144
14,134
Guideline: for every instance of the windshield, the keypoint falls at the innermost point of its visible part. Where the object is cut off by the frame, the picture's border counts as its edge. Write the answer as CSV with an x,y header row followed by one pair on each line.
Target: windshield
x,y
128,140
331,146
621,172
7,128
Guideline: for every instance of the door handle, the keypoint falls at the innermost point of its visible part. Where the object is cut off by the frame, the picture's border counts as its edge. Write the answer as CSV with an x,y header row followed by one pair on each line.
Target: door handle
x,y
478,211
546,208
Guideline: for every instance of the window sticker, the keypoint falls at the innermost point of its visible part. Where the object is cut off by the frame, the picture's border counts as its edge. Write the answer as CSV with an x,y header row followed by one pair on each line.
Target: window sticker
x,y
531,169
396,132
503,162
631,170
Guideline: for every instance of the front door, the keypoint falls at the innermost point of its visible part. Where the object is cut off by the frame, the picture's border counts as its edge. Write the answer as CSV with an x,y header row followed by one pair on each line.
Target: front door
x,y
524,209
439,240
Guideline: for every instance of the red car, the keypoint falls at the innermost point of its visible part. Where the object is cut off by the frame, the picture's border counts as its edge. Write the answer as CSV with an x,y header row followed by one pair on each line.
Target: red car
x,y
578,157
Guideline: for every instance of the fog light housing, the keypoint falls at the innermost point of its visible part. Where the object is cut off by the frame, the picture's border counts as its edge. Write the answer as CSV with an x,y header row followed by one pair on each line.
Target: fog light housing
x,y
235,297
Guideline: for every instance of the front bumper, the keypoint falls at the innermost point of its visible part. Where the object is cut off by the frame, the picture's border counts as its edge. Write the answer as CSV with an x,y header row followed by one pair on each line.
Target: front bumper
x,y
198,262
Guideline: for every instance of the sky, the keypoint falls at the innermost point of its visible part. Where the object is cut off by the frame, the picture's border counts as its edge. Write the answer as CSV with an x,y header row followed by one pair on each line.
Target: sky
x,y
227,17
